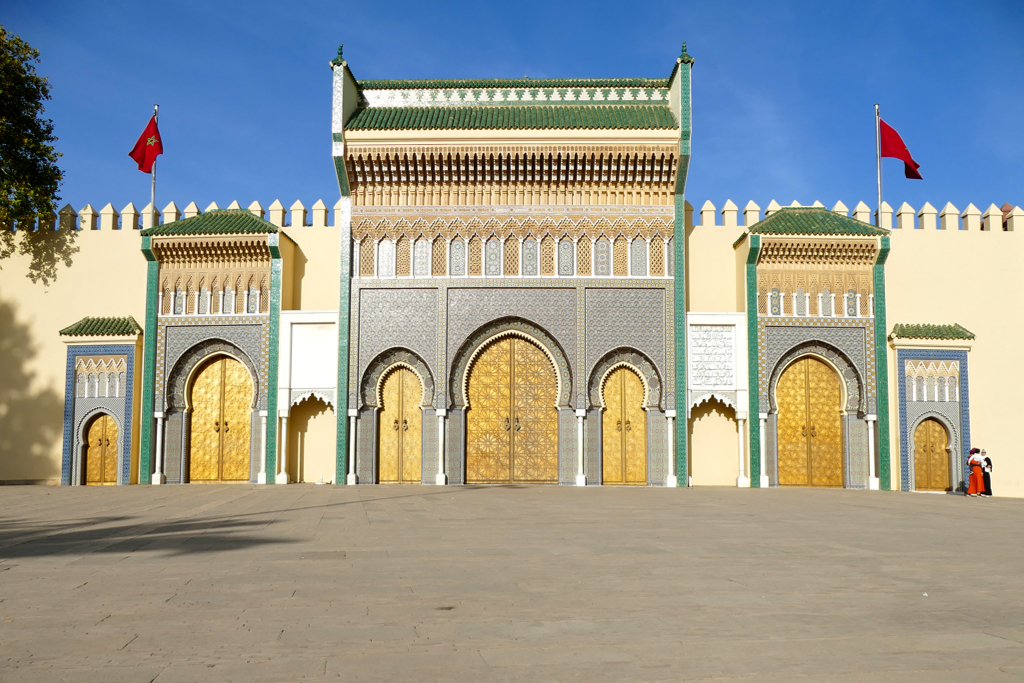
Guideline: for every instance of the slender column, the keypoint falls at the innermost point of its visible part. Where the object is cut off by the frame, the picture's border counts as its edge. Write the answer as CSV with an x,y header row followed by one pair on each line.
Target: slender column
x,y
673,479
160,302
245,301
832,304
220,302
441,478
352,478
158,476
858,306
742,481
581,477
872,479
261,478
764,481
282,475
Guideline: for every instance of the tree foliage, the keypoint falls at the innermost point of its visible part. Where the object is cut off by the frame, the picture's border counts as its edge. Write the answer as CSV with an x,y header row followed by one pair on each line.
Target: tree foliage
x,y
29,175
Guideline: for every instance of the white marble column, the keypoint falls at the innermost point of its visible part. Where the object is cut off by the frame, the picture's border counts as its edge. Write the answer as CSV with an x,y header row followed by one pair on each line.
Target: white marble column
x,y
581,477
441,478
352,478
763,481
673,478
742,481
872,479
282,474
261,478
158,476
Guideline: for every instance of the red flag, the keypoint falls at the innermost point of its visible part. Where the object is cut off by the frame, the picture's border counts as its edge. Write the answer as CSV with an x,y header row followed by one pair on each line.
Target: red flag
x,y
148,147
894,147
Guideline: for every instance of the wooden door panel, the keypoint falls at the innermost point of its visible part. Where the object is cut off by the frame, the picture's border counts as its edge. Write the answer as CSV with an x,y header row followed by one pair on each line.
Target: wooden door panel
x,y
824,399
791,399
390,429
534,418
488,420
412,429
612,430
634,429
204,442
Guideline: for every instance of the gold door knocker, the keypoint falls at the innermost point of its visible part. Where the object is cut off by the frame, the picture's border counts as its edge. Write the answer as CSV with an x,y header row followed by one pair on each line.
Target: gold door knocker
x,y
395,426
508,426
216,427
518,426
814,432
618,425
803,431
225,426
405,425
629,427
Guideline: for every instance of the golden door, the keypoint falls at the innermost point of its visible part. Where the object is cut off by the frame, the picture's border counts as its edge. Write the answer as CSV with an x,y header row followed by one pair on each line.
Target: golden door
x,y
219,445
400,429
809,396
512,423
101,452
931,457
624,430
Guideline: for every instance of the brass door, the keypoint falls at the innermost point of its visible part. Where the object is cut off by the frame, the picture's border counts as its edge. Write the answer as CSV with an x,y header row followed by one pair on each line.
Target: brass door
x,y
512,422
931,457
101,452
809,397
219,444
400,429
624,430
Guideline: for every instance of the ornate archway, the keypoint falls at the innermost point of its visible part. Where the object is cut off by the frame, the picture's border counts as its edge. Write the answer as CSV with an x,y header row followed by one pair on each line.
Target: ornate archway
x,y
638,362
179,377
370,387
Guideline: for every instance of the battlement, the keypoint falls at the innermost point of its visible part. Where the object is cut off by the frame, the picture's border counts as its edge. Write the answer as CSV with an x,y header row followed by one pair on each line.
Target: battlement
x,y
995,219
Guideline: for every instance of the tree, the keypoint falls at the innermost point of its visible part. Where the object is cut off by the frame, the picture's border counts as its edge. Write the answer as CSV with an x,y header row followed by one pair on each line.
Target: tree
x,y
29,176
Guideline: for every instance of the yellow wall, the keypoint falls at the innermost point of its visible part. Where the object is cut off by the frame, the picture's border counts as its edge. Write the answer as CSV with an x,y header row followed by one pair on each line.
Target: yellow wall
x,y
976,279
311,438
711,284
317,259
713,444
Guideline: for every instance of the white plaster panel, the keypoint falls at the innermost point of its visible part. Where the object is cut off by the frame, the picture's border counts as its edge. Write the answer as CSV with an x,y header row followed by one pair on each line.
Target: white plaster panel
x,y
314,361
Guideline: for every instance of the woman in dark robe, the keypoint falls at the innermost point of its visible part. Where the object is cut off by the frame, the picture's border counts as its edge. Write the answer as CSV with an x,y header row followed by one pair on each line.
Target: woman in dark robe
x,y
976,484
986,471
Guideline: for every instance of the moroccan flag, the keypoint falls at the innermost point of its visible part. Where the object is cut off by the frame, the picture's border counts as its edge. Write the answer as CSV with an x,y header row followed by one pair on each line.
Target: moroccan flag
x,y
894,147
149,146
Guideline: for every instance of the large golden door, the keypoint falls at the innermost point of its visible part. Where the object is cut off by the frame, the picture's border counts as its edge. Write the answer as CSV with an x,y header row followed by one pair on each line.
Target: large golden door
x,y
809,397
400,429
219,445
931,457
512,422
101,452
624,430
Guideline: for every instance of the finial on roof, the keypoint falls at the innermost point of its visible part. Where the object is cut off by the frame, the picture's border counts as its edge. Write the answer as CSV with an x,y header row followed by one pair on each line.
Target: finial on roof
x,y
684,57
339,60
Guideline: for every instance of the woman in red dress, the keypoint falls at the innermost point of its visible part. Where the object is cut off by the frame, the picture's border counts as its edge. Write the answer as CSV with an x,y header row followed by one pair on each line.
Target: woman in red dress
x,y
976,485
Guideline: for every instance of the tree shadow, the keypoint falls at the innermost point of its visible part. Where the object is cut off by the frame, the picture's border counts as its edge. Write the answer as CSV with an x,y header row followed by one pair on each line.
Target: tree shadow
x,y
46,247
31,422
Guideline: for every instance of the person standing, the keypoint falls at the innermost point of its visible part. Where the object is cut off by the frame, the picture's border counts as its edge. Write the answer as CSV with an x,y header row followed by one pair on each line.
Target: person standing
x,y
976,483
986,471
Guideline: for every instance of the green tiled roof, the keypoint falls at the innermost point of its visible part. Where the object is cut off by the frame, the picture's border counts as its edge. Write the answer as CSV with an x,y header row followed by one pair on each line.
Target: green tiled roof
x,y
102,327
622,117
432,84
950,332
219,222
813,221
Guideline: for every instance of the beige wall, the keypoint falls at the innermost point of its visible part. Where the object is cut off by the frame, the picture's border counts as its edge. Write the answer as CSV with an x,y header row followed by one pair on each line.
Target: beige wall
x,y
311,437
315,269
976,279
714,445
711,283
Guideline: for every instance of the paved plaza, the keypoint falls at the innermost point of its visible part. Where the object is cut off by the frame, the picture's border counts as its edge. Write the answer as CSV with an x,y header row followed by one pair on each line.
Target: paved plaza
x,y
421,583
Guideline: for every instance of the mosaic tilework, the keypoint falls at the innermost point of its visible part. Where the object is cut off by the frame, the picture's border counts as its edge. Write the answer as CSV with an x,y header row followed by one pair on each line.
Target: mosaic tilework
x,y
907,420
852,378
343,220
754,352
592,434
379,365
856,452
529,257
638,258
567,455
631,357
178,335
881,354
455,446
633,318
147,423
396,318
566,264
657,447
482,97
175,396
121,410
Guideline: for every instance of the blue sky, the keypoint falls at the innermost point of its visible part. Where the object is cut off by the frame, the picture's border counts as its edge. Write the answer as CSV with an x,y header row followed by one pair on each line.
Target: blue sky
x,y
783,92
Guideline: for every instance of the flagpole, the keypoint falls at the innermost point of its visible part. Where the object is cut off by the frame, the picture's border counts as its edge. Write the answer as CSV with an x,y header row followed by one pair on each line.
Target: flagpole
x,y
878,161
152,187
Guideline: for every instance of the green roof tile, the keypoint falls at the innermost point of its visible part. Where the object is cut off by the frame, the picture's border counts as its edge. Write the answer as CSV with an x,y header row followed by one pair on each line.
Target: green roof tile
x,y
621,117
949,332
102,327
813,221
220,222
438,84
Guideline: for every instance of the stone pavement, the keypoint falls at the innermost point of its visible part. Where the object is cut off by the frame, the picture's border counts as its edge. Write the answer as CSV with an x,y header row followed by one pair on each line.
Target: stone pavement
x,y
423,583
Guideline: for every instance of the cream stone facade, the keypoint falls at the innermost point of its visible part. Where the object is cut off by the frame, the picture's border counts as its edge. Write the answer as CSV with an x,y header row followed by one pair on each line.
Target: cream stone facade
x,y
512,287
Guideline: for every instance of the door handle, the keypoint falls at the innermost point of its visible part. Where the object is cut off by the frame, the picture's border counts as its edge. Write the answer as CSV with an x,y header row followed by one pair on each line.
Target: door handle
x,y
108,443
405,425
814,432
508,426
803,431
618,425
395,426
216,427
518,426
629,427
225,426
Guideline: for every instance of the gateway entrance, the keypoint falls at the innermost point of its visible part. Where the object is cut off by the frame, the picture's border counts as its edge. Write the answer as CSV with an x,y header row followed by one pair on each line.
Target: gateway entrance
x,y
809,396
624,430
931,457
101,452
221,431
401,429
512,423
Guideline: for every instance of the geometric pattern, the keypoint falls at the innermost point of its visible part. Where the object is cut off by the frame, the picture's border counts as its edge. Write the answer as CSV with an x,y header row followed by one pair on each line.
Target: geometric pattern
x,y
629,357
